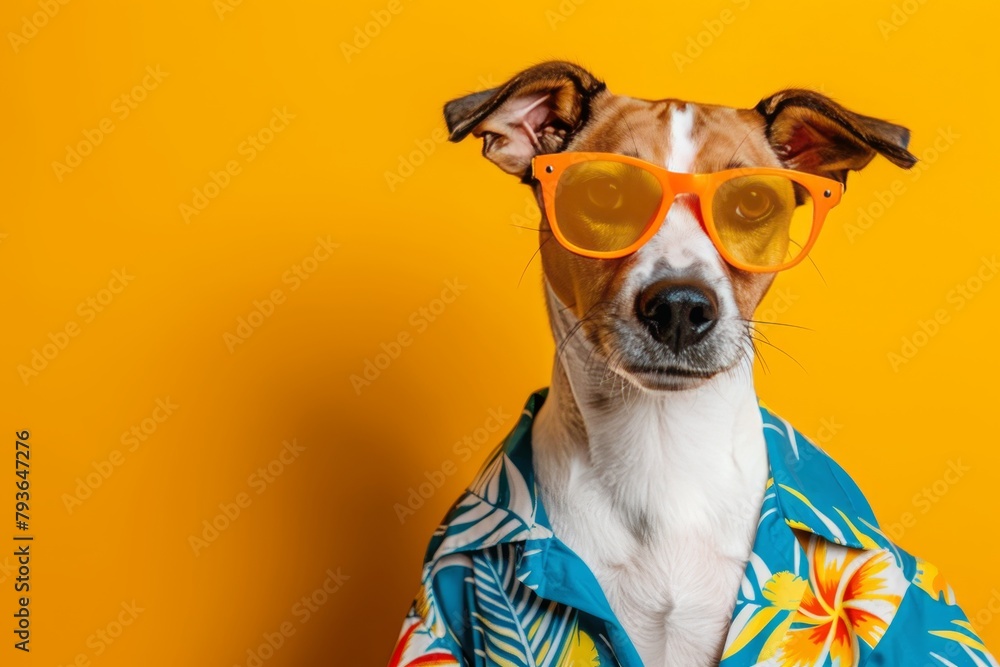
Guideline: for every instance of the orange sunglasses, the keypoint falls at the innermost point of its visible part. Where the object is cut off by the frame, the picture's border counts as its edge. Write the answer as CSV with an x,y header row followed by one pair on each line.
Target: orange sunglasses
x,y
606,205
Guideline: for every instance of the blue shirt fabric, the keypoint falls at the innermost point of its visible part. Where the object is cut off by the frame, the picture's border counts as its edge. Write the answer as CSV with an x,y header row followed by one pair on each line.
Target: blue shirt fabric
x,y
823,585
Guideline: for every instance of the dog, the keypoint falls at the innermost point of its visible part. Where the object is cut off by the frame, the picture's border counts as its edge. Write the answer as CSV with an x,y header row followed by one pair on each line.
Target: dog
x,y
647,509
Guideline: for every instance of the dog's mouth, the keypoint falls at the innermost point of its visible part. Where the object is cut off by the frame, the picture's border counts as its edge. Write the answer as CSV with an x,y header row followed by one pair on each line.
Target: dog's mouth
x,y
666,377
668,371
654,367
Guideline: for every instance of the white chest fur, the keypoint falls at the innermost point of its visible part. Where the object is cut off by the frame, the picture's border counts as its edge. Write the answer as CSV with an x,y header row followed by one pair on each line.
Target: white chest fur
x,y
660,497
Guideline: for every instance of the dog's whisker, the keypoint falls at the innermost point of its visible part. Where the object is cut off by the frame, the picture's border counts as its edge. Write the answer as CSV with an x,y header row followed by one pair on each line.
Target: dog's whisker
x,y
783,352
631,135
578,325
533,255
758,355
765,367
746,368
811,261
562,345
816,266
778,324
740,145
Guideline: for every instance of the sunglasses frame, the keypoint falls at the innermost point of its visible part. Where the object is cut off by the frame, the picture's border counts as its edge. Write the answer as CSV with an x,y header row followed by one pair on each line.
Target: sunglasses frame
x,y
548,168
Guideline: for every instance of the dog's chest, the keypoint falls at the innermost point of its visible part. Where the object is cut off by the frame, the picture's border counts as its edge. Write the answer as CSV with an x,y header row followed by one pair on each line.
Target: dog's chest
x,y
670,567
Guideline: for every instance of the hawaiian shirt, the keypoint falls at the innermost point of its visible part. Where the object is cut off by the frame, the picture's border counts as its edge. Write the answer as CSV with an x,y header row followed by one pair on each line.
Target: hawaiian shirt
x,y
823,584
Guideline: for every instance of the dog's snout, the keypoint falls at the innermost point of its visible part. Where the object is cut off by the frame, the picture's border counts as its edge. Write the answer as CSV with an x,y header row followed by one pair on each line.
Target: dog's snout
x,y
677,314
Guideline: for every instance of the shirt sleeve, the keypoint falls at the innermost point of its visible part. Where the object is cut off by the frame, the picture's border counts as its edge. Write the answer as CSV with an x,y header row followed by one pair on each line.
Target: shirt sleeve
x,y
419,645
931,629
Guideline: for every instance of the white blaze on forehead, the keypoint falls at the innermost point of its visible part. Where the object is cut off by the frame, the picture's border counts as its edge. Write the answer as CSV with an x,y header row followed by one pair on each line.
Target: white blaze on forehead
x,y
681,147
680,242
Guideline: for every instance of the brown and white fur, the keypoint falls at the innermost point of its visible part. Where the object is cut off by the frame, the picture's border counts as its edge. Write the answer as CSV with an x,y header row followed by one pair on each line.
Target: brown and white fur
x,y
649,453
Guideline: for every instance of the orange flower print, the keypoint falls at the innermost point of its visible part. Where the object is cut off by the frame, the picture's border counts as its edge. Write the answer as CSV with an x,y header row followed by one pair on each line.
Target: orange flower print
x,y
852,597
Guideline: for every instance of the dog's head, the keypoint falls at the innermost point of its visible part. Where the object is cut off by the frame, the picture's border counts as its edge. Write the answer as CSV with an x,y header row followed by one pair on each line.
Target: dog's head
x,y
674,312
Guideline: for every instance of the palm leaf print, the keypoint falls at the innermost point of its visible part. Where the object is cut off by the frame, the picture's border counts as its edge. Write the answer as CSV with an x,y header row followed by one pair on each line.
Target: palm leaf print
x,y
968,640
499,506
517,627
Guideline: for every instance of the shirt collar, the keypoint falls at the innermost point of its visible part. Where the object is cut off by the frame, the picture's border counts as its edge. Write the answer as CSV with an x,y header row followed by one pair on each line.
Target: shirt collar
x,y
814,493
503,505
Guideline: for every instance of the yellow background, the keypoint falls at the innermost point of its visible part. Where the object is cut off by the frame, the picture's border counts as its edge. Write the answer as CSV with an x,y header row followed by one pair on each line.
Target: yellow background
x,y
324,175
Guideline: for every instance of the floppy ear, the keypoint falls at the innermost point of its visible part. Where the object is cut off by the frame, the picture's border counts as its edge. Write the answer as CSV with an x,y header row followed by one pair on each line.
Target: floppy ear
x,y
535,112
810,132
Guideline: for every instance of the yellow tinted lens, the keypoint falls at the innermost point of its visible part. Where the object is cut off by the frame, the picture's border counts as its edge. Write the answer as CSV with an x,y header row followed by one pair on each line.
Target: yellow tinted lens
x,y
763,221
604,206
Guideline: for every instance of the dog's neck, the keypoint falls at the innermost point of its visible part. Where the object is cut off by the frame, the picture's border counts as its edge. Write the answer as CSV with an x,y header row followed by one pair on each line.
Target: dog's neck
x,y
667,461
658,493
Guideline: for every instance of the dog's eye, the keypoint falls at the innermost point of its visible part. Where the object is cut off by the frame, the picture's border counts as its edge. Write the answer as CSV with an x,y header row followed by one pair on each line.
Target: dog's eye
x,y
755,202
605,193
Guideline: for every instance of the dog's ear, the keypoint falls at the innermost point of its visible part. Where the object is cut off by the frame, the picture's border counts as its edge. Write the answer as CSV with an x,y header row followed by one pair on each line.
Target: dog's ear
x,y
535,112
810,132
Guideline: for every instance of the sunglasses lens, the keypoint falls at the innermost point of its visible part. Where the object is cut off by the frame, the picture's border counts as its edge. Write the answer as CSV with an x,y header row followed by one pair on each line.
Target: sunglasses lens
x,y
763,221
605,206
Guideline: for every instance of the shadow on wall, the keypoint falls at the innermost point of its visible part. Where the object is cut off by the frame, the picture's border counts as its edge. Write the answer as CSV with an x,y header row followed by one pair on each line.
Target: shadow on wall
x,y
349,523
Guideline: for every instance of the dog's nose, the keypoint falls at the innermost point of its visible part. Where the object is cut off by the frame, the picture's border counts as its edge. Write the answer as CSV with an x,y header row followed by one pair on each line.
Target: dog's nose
x,y
677,315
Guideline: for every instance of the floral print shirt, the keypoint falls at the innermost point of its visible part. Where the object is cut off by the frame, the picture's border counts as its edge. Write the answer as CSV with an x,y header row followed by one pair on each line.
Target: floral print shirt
x,y
824,586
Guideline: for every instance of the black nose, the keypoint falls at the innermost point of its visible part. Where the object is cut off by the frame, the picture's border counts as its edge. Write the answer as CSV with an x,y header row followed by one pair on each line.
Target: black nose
x,y
677,315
